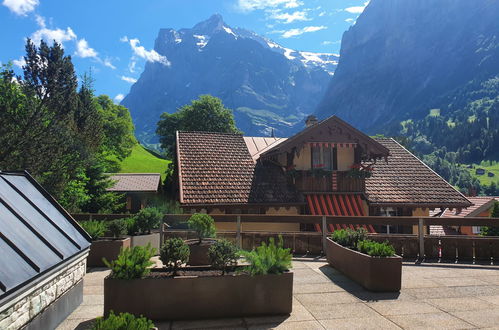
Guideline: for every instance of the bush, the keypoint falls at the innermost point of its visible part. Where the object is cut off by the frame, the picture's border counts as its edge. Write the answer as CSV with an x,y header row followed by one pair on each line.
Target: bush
x,y
123,321
174,253
147,219
117,227
131,226
375,249
203,224
94,228
132,263
349,237
268,259
223,254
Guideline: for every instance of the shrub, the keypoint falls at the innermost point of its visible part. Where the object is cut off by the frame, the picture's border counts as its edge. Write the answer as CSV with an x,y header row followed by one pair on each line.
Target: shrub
x,y
94,228
132,262
268,259
123,321
147,219
375,249
131,226
117,227
349,237
223,254
174,253
203,224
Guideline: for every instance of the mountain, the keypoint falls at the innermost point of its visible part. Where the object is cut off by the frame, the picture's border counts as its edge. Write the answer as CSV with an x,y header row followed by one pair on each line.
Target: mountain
x,y
267,86
404,58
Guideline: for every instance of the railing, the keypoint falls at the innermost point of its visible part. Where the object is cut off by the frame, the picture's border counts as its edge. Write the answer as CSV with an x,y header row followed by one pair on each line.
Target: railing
x,y
309,181
419,246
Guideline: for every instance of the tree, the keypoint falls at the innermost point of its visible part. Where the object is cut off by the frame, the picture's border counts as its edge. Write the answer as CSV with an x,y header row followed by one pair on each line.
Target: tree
x,y
492,231
206,114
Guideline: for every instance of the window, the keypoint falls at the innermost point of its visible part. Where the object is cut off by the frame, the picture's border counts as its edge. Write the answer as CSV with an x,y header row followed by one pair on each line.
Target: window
x,y
325,158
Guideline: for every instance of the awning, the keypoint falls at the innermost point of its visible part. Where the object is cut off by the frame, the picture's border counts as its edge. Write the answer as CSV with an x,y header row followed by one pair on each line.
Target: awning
x,y
337,204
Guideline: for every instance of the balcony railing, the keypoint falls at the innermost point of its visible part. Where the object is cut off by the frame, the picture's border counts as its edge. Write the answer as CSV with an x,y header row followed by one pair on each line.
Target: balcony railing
x,y
308,181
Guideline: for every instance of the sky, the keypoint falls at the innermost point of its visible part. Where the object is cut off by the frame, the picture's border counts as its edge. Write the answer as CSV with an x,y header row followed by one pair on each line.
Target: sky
x,y
113,39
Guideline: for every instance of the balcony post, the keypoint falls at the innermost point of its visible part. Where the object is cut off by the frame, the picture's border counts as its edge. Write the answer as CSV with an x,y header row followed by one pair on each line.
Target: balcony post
x,y
324,233
161,231
238,232
421,238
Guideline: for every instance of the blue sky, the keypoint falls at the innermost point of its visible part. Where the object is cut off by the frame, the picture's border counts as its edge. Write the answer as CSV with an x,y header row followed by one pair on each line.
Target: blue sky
x,y
94,31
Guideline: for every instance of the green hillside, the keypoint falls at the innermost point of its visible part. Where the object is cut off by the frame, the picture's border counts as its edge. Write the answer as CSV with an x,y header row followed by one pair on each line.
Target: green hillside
x,y
492,167
143,161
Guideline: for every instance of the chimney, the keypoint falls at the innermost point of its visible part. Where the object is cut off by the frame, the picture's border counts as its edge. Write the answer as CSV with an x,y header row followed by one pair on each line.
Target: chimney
x,y
311,121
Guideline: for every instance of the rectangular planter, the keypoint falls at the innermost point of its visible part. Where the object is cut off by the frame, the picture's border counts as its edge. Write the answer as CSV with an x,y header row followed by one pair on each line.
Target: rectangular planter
x,y
177,298
373,273
143,240
106,248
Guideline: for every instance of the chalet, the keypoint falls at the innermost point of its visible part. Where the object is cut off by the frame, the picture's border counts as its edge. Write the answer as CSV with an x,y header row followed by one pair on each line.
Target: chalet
x,y
139,188
329,168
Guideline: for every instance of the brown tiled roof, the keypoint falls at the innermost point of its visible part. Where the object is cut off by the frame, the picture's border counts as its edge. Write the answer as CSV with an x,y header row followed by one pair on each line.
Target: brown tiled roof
x,y
217,168
135,182
480,204
404,179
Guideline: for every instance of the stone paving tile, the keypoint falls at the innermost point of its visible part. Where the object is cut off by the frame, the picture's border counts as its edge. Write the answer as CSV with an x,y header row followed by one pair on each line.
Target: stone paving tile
x,y
209,324
328,298
459,304
94,299
377,322
482,318
418,282
341,311
490,279
321,287
299,313
76,324
87,312
430,321
368,296
459,281
491,299
402,307
302,325
307,275
93,289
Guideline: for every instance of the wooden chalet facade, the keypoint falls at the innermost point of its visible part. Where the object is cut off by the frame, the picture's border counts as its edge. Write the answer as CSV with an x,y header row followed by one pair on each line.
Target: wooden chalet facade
x,y
329,168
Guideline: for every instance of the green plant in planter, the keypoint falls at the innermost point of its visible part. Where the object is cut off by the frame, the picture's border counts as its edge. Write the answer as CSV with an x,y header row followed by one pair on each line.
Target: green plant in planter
x,y
174,253
117,227
268,258
349,237
223,254
123,321
148,219
132,263
131,226
96,229
203,224
375,249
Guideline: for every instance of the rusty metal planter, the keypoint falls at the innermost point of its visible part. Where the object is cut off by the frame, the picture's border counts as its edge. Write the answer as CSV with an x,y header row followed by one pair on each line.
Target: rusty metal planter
x,y
177,298
106,248
373,273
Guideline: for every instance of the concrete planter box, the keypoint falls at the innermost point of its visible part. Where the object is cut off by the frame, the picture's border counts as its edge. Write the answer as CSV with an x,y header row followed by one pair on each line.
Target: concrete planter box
x,y
143,240
199,252
373,273
177,298
106,248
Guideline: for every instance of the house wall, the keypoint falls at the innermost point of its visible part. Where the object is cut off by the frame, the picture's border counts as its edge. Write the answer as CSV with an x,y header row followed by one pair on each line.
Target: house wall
x,y
303,161
420,212
33,303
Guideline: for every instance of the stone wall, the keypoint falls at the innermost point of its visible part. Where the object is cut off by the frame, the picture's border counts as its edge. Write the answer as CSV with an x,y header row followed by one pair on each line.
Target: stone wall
x,y
27,306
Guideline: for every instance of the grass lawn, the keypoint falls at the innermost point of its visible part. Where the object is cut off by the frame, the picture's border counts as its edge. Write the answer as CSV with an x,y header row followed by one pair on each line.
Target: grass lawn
x,y
485,179
142,161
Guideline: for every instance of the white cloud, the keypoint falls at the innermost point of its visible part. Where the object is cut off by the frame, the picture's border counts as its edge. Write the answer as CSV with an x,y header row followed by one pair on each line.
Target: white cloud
x,y
84,50
323,13
20,62
107,62
21,7
129,79
350,20
357,9
131,66
296,32
118,98
290,18
49,35
250,5
149,55
329,42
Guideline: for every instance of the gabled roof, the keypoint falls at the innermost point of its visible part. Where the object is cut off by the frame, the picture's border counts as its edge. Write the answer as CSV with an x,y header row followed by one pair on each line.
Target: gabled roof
x,y
258,145
480,204
405,180
135,182
331,129
36,233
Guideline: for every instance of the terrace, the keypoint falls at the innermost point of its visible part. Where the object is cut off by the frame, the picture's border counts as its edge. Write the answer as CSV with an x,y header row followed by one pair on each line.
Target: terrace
x,y
433,295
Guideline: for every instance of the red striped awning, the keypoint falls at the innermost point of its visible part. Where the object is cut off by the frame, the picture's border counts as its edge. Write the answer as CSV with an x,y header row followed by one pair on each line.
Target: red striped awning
x,y
337,204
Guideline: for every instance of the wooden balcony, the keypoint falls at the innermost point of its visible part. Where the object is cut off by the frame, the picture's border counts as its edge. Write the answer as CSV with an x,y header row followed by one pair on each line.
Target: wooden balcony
x,y
313,182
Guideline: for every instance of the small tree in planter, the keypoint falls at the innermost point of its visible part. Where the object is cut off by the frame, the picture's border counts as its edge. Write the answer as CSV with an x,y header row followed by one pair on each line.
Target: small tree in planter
x,y
204,226
117,228
148,219
268,258
223,254
132,263
123,321
174,253
95,229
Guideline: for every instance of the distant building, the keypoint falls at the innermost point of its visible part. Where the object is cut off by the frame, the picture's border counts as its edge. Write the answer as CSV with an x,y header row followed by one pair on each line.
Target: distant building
x,y
137,187
491,174
480,171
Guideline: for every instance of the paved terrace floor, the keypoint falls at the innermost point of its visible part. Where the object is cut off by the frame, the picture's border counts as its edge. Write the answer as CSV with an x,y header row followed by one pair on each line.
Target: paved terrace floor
x,y
433,295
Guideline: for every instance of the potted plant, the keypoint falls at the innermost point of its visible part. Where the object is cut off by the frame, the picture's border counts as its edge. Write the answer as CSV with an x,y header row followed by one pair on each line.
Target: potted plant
x,y
373,265
204,226
122,321
143,227
263,287
105,247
